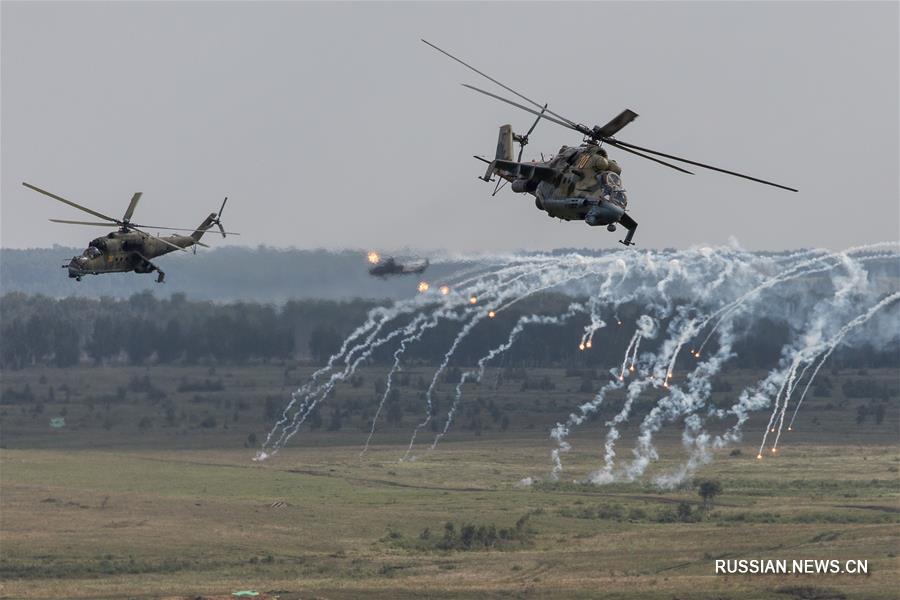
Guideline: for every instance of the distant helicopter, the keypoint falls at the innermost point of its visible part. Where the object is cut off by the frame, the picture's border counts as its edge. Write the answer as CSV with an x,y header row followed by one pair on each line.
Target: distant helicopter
x,y
129,248
384,266
580,183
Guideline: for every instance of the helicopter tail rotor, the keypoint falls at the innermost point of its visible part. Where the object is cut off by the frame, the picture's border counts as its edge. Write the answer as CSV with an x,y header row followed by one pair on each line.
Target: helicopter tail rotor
x,y
218,217
523,139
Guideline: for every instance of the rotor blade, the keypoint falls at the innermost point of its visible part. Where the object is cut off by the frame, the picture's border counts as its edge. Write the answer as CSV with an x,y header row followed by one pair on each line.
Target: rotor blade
x,y
507,88
222,229
617,123
173,228
656,160
533,125
156,237
70,203
131,206
525,108
223,206
81,222
699,164
525,137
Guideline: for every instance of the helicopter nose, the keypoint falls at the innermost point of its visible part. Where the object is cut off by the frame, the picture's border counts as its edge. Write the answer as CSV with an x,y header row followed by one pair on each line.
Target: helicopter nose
x,y
74,271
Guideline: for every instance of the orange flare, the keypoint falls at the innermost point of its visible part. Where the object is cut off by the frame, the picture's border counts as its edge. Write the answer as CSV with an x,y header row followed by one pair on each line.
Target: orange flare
x,y
373,257
423,286
581,346
774,450
473,300
589,344
491,314
759,457
631,368
445,290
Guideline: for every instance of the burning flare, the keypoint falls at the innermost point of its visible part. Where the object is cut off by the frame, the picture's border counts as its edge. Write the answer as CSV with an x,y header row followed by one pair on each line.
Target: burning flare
x,y
491,314
445,289
374,258
473,300
423,286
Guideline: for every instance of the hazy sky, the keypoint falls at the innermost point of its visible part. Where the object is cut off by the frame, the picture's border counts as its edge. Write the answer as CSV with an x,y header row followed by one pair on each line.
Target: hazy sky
x,y
332,125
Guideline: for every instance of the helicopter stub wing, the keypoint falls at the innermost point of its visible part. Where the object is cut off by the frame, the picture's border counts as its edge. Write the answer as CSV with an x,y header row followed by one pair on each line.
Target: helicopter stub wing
x,y
517,170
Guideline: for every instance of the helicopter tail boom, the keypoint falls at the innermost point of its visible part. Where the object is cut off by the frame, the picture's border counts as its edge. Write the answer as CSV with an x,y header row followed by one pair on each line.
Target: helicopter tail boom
x,y
203,227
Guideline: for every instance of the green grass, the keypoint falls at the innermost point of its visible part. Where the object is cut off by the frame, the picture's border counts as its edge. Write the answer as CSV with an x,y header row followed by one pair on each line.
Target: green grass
x,y
182,511
111,523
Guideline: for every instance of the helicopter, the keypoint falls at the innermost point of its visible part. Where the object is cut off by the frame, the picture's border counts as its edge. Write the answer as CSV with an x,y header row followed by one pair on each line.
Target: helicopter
x,y
579,183
129,248
384,266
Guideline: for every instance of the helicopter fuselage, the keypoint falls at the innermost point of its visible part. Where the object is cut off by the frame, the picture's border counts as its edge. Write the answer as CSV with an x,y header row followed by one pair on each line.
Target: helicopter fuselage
x,y
119,252
390,266
123,251
578,184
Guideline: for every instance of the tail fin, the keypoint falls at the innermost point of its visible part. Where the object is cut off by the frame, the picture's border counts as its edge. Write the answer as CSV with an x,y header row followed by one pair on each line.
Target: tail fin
x,y
505,143
203,227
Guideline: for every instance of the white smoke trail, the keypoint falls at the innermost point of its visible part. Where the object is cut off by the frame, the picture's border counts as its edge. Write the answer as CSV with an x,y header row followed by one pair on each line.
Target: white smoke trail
x,y
413,332
835,341
684,294
824,314
478,373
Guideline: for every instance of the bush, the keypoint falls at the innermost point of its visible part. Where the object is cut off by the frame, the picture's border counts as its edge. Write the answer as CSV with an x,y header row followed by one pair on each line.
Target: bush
x,y
469,537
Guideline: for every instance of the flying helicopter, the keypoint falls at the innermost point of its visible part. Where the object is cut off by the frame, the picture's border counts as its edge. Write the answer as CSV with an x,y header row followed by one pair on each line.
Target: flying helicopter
x,y
384,266
579,183
129,248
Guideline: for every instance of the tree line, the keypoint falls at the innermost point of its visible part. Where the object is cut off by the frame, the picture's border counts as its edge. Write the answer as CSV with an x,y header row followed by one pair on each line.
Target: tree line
x,y
144,329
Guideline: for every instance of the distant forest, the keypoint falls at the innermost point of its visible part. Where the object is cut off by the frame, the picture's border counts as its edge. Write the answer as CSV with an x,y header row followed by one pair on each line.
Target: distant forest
x,y
222,274
143,329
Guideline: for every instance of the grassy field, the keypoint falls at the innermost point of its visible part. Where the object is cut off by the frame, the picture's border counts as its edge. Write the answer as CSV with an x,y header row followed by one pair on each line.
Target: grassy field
x,y
109,508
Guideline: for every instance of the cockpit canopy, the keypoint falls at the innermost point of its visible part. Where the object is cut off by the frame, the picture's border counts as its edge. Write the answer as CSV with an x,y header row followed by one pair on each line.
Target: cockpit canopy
x,y
91,252
613,188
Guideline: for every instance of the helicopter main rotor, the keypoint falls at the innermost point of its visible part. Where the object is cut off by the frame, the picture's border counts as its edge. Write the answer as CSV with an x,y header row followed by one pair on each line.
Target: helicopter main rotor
x,y
597,133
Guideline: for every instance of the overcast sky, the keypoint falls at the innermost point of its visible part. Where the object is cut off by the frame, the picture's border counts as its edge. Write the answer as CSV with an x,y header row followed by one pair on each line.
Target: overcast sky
x,y
332,125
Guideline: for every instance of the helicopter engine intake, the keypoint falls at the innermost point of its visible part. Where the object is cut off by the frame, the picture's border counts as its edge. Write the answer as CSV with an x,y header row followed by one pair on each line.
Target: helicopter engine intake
x,y
524,186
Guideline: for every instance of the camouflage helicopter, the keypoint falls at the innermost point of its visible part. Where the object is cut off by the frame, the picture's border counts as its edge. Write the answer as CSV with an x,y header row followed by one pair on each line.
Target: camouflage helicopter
x,y
129,248
579,183
385,266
